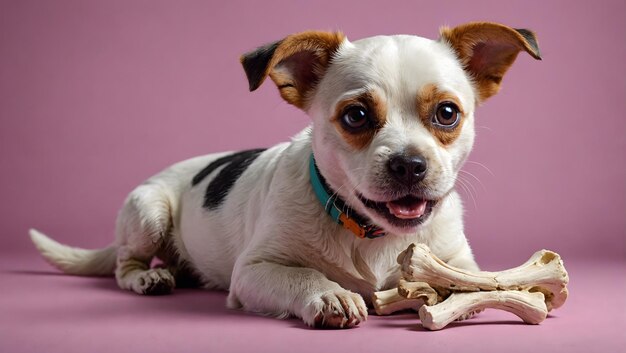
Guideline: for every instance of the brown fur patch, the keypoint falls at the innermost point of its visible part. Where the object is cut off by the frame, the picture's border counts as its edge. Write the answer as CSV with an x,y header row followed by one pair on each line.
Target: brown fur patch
x,y
295,64
377,109
487,50
428,99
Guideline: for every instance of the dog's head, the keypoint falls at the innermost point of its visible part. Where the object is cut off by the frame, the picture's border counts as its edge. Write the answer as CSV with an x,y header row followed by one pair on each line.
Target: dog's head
x,y
393,116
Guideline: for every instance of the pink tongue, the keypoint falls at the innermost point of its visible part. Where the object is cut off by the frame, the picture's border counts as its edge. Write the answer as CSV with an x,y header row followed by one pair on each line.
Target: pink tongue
x,y
408,210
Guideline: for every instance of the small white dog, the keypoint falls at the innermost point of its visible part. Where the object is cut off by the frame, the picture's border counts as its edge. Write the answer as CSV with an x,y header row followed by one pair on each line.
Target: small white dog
x,y
312,227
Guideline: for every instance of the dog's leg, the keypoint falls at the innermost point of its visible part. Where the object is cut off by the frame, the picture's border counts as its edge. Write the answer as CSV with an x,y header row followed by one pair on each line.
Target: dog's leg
x,y
284,290
464,259
142,226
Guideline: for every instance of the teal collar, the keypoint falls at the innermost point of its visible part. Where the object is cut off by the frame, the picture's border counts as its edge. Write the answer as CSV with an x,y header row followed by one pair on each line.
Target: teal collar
x,y
337,209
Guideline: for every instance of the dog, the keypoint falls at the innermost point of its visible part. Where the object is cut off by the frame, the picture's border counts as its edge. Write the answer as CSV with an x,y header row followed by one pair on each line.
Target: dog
x,y
312,227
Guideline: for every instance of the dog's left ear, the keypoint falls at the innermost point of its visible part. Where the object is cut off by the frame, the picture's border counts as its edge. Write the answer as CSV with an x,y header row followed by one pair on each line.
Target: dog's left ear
x,y
295,64
487,50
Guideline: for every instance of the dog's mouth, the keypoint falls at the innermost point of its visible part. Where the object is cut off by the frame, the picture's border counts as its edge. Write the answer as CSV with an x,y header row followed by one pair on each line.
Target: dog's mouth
x,y
405,212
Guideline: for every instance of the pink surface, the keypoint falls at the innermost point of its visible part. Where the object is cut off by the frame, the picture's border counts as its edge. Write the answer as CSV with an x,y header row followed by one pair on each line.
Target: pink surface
x,y
43,311
97,96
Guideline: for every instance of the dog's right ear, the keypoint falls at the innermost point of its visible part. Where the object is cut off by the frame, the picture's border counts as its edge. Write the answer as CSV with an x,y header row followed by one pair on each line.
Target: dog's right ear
x,y
295,64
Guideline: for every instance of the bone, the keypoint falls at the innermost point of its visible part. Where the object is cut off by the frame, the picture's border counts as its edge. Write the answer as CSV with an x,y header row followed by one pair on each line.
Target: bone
x,y
543,272
389,301
530,307
408,295
418,290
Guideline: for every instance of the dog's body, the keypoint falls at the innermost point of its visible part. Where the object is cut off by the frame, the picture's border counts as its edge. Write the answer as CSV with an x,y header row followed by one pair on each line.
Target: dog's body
x,y
392,125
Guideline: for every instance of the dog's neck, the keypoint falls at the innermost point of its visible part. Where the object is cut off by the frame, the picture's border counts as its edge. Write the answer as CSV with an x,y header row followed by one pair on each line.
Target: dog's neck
x,y
337,208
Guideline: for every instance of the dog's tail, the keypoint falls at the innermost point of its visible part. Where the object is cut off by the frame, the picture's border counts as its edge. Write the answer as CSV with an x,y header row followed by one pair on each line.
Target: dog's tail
x,y
75,261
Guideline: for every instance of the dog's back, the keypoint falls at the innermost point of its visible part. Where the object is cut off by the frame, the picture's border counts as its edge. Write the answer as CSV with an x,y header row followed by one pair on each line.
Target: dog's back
x,y
152,212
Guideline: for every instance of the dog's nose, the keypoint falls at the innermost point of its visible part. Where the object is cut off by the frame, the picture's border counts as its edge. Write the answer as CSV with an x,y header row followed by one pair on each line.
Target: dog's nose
x,y
407,169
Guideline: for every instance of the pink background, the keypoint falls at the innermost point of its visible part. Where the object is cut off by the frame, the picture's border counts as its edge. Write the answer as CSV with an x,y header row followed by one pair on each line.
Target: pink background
x,y
97,96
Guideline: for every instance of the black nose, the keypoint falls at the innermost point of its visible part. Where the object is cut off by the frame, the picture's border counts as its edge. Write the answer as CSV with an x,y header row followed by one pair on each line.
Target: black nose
x,y
406,169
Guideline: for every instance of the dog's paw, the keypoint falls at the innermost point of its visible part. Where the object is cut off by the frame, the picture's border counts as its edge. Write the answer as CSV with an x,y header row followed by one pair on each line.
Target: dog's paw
x,y
336,309
155,281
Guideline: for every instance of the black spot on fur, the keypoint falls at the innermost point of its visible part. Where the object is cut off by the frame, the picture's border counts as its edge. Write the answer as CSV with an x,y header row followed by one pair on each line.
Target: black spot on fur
x,y
212,166
219,187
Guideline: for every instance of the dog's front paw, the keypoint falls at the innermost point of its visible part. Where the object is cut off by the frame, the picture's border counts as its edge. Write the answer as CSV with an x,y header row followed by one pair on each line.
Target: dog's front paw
x,y
336,309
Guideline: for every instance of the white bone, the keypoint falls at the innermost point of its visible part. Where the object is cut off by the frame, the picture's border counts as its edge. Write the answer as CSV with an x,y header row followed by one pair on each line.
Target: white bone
x,y
389,301
408,295
530,307
543,272
418,290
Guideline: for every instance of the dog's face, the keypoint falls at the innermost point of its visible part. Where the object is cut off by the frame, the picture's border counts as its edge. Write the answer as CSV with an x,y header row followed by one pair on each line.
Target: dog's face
x,y
393,116
393,122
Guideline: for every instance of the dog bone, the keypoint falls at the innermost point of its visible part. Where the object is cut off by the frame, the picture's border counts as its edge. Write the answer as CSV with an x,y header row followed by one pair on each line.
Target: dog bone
x,y
418,290
543,272
408,295
530,307
389,301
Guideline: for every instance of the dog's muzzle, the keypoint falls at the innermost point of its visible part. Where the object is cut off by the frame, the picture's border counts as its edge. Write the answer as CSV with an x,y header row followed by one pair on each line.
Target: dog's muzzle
x,y
408,207
407,170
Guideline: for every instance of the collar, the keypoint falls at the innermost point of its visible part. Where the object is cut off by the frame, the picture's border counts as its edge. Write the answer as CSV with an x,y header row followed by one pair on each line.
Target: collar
x,y
336,207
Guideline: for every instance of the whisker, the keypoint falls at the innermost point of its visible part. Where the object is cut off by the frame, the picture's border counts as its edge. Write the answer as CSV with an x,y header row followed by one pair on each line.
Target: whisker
x,y
474,177
485,127
333,196
482,165
351,196
468,191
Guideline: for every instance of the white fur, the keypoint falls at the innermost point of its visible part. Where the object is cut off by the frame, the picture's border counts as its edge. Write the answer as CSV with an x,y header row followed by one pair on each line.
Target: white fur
x,y
270,243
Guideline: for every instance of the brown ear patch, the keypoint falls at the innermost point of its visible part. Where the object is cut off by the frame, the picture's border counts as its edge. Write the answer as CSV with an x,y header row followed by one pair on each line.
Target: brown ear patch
x,y
487,50
295,64
428,99
377,109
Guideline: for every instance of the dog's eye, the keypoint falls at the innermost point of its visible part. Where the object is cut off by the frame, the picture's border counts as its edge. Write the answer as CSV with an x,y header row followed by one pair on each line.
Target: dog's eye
x,y
447,115
355,118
